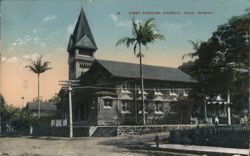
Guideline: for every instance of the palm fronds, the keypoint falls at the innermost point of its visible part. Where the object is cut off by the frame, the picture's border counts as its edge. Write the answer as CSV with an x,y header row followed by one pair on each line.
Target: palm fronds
x,y
196,47
143,34
38,66
126,40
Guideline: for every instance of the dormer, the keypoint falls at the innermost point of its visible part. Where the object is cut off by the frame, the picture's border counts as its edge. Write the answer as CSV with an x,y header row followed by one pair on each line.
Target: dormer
x,y
157,92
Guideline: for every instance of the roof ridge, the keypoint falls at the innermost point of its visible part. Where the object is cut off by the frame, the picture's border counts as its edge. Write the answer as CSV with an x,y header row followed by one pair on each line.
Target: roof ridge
x,y
130,70
137,64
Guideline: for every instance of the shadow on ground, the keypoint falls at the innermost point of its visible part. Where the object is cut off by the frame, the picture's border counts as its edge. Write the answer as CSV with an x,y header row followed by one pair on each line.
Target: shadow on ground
x,y
140,145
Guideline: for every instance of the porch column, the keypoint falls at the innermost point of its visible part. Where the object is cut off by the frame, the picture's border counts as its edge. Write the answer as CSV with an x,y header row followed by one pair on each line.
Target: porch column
x,y
205,109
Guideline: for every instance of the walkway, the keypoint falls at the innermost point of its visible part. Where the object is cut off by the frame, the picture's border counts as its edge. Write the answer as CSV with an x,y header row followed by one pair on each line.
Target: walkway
x,y
205,149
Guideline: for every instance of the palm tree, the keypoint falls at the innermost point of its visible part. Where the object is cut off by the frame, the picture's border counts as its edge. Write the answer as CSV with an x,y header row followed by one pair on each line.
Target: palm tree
x,y
38,67
142,34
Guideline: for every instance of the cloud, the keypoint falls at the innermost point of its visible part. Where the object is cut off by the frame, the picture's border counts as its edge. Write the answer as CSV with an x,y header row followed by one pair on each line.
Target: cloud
x,y
70,27
60,50
23,41
12,59
35,38
123,24
23,60
26,56
113,17
28,41
119,23
3,59
9,60
42,45
27,36
54,35
90,1
18,40
175,27
34,56
34,31
31,56
48,18
48,55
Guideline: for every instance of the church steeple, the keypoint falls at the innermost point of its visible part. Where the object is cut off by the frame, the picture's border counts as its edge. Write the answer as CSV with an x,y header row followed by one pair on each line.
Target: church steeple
x,y
82,37
81,48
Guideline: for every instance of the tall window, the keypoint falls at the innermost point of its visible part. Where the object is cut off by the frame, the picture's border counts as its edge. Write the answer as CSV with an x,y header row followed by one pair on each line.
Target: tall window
x,y
108,103
158,107
125,106
173,107
139,103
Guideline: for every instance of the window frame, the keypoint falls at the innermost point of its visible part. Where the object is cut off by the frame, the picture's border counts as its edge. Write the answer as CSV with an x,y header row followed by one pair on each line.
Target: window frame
x,y
158,107
108,103
127,105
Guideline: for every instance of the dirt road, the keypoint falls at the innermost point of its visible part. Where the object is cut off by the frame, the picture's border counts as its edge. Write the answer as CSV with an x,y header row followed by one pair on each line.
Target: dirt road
x,y
108,146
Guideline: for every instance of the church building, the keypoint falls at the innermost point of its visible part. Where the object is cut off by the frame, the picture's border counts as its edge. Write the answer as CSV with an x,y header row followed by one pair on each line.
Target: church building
x,y
110,90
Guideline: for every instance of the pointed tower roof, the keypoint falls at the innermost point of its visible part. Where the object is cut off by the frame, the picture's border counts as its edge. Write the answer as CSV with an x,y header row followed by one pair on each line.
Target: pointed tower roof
x,y
82,37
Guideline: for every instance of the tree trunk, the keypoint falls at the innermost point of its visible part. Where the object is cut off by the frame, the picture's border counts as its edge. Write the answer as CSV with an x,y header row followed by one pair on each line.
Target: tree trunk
x,y
135,103
142,87
249,69
38,95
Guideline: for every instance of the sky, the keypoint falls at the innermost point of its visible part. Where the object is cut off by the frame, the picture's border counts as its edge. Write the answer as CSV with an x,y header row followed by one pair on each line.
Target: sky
x,y
42,27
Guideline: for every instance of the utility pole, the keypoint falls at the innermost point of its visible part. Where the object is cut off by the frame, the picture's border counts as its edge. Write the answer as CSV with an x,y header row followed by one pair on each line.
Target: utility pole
x,y
248,42
70,114
25,86
1,104
69,84
228,109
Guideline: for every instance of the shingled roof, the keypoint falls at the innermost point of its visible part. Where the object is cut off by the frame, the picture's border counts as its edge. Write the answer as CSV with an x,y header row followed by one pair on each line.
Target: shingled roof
x,y
82,36
130,70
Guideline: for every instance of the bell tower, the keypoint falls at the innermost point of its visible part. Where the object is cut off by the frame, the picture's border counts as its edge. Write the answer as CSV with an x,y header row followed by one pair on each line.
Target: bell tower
x,y
81,48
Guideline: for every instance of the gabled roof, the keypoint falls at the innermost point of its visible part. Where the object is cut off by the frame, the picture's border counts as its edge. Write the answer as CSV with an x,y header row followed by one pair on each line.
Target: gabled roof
x,y
82,36
130,70
85,42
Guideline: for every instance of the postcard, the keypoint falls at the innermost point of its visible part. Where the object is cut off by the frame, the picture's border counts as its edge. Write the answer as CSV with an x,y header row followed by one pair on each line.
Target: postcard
x,y
163,77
